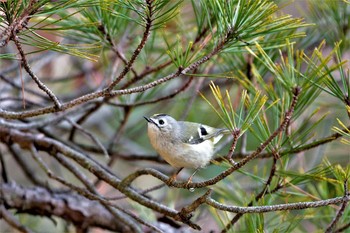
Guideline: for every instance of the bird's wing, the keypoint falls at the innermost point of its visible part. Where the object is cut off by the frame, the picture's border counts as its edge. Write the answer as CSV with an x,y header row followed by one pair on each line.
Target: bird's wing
x,y
203,133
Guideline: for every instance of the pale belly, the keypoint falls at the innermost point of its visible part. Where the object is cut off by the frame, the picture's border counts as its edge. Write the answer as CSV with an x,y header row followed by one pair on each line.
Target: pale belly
x,y
189,155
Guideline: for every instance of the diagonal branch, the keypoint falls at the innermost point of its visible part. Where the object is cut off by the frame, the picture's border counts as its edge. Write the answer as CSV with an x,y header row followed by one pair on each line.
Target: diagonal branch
x,y
137,50
73,208
40,84
25,140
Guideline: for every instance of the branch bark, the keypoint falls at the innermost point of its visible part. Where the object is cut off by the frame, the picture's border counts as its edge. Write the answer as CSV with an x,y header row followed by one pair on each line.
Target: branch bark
x,y
71,207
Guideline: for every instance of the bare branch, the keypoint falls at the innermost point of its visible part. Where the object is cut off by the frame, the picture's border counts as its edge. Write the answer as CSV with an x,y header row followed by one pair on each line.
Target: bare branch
x,y
137,50
280,207
25,140
40,84
90,135
71,207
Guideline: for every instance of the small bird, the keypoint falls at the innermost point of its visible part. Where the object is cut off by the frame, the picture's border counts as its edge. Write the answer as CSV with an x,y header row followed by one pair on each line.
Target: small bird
x,y
183,144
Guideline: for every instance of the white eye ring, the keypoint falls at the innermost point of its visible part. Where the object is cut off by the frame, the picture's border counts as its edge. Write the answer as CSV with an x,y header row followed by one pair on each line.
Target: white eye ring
x,y
161,122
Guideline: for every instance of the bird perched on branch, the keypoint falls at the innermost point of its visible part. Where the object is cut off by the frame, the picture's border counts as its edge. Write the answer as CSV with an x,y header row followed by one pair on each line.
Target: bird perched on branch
x,y
183,144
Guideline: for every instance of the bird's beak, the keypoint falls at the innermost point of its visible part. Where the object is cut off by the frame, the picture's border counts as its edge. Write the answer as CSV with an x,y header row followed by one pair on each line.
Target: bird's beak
x,y
149,120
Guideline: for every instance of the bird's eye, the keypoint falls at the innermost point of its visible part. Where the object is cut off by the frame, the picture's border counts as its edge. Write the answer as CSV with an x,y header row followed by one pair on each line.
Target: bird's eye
x,y
161,122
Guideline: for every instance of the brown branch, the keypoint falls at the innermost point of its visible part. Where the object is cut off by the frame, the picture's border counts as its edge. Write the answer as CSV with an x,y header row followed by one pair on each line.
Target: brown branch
x,y
26,66
171,95
147,171
46,144
71,207
36,124
74,170
127,222
84,118
186,212
88,97
11,33
236,133
280,207
108,37
146,72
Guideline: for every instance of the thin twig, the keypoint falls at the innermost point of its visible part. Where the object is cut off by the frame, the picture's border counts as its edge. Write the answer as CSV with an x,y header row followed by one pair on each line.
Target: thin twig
x,y
236,133
116,137
40,84
83,118
114,47
146,72
343,228
340,211
171,95
137,51
280,207
19,87
90,135
28,171
157,187
46,121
